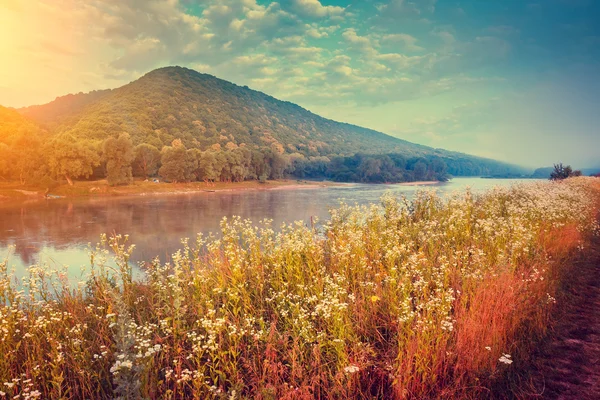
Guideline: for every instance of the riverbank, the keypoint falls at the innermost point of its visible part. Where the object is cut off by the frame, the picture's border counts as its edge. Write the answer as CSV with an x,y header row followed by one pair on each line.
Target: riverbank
x,y
13,191
419,183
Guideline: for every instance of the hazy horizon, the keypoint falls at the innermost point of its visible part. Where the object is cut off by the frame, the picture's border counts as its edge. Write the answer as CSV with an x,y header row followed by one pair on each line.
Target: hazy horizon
x,y
512,81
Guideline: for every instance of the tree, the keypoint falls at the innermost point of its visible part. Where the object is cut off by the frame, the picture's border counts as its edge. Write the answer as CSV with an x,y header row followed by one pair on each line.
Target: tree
x,y
207,167
5,156
24,159
176,166
279,163
561,172
191,165
145,161
369,169
70,158
420,170
118,153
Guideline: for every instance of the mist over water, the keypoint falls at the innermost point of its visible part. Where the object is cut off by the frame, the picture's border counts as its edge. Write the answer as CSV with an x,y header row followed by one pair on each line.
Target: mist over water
x,y
58,232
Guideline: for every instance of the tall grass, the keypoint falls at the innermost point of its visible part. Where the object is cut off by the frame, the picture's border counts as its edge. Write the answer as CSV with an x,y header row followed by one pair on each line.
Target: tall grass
x,y
428,298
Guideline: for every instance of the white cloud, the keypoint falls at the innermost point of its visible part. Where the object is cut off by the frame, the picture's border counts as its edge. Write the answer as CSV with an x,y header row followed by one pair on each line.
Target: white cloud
x,y
314,9
363,44
408,42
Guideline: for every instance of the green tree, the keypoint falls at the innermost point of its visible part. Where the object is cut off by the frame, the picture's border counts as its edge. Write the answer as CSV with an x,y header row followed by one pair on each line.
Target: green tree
x,y
278,162
118,154
191,165
23,159
561,172
70,158
146,160
420,170
174,160
207,167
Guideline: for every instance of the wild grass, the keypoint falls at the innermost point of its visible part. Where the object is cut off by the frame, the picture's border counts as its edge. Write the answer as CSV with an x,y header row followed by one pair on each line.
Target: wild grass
x,y
429,298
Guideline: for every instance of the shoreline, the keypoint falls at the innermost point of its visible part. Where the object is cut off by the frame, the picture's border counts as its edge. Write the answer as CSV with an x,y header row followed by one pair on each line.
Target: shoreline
x,y
12,192
419,183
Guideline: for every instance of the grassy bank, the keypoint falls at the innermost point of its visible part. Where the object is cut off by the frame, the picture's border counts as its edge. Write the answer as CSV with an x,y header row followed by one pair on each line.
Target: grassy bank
x,y
434,298
14,191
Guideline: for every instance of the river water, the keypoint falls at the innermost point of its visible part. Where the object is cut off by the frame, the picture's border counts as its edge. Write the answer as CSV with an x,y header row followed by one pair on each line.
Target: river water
x,y
58,232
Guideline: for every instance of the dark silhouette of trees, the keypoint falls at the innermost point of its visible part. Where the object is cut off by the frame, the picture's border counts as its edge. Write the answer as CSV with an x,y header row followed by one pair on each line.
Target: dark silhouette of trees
x,y
561,172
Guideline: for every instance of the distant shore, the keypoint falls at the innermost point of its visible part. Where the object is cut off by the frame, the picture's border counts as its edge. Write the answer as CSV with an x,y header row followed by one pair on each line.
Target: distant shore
x,y
14,192
419,183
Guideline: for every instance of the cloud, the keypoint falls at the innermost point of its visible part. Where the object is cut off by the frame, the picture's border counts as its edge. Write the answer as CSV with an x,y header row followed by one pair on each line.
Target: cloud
x,y
339,61
446,37
403,8
312,8
408,42
363,44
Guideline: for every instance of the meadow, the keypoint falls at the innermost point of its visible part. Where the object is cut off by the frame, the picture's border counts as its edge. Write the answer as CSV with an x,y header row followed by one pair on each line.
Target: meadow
x,y
437,297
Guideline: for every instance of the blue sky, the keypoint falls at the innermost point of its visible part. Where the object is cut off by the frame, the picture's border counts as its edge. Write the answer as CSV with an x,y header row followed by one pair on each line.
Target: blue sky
x,y
511,80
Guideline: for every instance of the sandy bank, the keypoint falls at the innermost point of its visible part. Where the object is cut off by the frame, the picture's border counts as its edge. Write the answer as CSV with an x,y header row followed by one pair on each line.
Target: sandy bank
x,y
419,183
100,189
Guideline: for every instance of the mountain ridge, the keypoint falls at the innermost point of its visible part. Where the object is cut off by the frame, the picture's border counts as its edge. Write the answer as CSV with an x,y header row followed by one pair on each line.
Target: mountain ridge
x,y
202,110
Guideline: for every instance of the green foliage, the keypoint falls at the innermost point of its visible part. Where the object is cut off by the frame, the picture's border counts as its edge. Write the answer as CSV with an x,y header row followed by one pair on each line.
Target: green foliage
x,y
388,168
118,154
14,126
70,158
207,167
21,141
203,111
232,133
146,160
177,164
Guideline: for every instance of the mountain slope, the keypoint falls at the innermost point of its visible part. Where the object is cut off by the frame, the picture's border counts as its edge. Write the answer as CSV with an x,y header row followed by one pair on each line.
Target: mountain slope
x,y
14,126
62,107
202,110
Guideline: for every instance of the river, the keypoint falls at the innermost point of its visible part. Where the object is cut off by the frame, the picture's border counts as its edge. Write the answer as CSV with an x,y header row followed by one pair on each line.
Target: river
x,y
58,232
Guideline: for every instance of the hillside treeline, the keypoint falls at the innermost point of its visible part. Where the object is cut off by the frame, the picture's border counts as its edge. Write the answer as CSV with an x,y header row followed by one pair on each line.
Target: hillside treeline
x,y
31,159
32,155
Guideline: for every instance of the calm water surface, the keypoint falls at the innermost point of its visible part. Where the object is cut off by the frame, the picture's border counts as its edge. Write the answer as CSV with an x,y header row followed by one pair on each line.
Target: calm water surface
x,y
57,232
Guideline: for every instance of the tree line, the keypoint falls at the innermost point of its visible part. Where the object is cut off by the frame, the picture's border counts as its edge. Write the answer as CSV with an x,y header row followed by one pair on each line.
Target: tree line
x,y
39,159
32,155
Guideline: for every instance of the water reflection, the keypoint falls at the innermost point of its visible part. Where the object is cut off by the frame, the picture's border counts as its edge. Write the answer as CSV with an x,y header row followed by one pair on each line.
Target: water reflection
x,y
57,232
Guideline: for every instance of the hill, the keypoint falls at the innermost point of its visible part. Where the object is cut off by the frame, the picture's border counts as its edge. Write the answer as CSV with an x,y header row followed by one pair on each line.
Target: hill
x,y
62,107
544,172
14,126
203,111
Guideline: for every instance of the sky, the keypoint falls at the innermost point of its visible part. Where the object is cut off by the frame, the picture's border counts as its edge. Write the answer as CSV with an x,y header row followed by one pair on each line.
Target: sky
x,y
513,80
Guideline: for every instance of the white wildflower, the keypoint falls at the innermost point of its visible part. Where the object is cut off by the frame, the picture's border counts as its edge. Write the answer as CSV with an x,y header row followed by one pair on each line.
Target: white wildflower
x,y
351,369
506,359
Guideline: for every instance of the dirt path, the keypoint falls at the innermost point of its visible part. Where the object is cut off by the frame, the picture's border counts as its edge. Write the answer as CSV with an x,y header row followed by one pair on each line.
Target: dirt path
x,y
569,364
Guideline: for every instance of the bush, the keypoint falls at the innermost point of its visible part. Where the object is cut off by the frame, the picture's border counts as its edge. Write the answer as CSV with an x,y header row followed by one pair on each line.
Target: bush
x,y
561,172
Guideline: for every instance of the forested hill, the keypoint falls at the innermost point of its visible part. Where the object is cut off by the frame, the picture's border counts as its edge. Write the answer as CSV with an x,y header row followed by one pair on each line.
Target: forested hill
x,y
53,113
229,132
201,110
